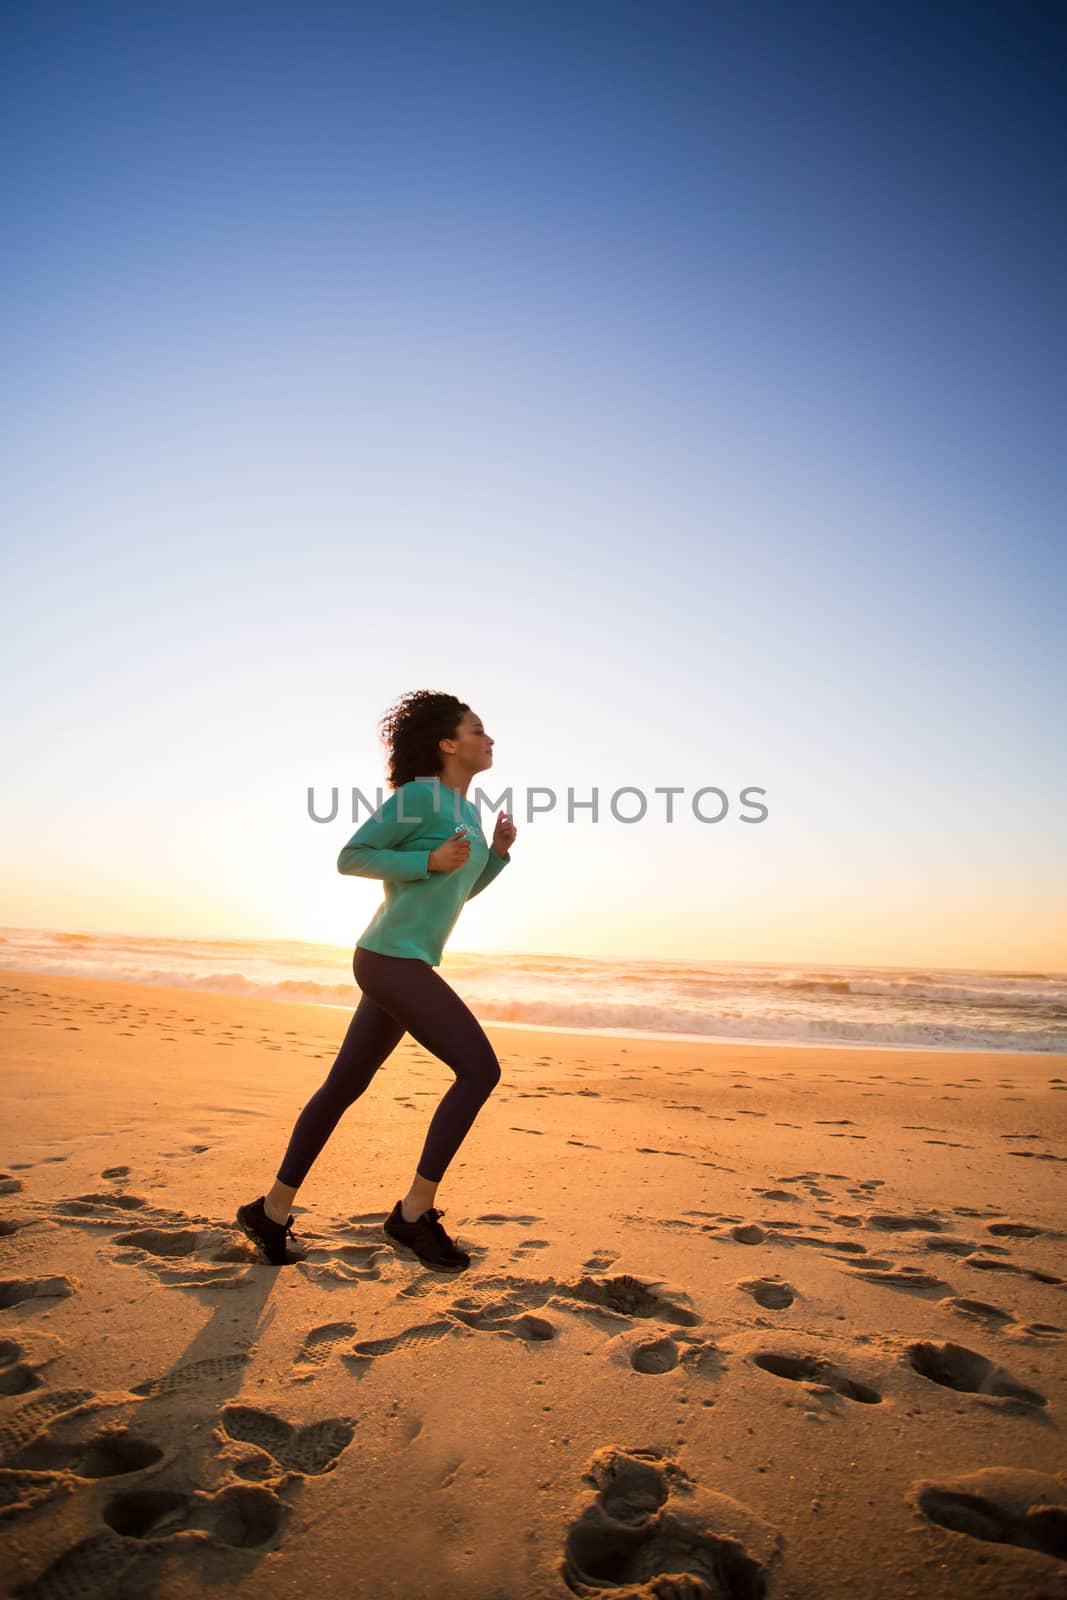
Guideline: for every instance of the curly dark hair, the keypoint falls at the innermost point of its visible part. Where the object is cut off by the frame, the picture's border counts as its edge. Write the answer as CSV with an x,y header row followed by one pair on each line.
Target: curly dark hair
x,y
411,728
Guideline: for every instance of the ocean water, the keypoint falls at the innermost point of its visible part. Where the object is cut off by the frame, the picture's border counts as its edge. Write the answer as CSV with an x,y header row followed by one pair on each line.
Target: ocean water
x,y
886,1007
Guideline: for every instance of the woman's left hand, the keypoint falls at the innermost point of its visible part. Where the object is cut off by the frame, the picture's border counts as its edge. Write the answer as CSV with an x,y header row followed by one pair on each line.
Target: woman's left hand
x,y
504,833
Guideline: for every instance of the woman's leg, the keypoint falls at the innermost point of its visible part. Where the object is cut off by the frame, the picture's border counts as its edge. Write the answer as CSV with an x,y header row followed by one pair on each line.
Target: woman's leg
x,y
432,1012
372,1036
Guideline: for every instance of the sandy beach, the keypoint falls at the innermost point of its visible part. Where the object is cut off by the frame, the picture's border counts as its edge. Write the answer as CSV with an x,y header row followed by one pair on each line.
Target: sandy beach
x,y
741,1321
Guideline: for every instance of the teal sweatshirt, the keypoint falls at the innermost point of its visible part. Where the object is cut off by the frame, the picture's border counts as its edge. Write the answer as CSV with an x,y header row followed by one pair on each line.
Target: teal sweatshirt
x,y
420,907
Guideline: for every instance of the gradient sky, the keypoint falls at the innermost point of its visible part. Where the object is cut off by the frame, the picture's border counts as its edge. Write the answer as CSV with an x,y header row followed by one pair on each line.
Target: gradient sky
x,y
681,385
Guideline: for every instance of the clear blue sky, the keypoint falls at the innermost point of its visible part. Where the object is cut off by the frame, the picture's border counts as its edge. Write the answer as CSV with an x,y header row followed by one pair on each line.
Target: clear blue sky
x,y
680,384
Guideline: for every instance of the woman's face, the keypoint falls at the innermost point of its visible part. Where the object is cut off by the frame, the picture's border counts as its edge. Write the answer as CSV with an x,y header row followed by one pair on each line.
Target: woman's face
x,y
473,748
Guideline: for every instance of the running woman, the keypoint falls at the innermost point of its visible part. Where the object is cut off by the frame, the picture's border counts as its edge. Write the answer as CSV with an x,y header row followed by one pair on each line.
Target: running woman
x,y
427,846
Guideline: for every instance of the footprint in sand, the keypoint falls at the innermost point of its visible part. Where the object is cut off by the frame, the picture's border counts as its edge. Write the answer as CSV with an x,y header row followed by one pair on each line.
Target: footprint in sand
x,y
13,1291
950,1244
1014,1230
748,1233
310,1450
20,1367
782,1232
770,1293
979,1311
1004,1505
212,1369
527,1246
48,1464
21,1492
499,1218
954,1366
822,1375
501,1316
319,1345
987,1263
627,1296
34,1416
893,1222
654,1354
181,1251
647,1525
344,1263
129,1555
98,1208
520,1308
897,1277
186,1258
360,1355
16,1376
160,1242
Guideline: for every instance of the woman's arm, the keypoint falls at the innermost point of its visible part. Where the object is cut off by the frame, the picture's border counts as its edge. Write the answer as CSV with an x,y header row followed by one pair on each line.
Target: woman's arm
x,y
371,852
492,867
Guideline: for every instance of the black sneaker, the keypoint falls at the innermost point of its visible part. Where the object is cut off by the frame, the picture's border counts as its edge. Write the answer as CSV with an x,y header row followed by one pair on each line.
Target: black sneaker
x,y
269,1236
426,1237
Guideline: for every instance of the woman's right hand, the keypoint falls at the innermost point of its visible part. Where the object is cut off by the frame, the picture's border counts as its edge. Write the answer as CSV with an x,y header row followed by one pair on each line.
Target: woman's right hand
x,y
453,853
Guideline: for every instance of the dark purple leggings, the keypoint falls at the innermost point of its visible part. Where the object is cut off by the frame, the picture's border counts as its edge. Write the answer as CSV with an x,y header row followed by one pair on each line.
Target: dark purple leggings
x,y
400,994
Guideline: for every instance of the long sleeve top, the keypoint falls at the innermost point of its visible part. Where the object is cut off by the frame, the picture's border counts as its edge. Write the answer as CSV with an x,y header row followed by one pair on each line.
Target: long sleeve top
x,y
420,907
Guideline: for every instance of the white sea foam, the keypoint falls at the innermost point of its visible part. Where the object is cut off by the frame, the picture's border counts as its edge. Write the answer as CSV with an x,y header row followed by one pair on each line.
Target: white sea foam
x,y
876,1007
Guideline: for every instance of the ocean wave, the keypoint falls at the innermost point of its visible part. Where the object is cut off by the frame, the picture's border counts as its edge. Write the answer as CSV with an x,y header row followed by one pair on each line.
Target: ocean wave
x,y
783,1029
960,994
301,989
788,1005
